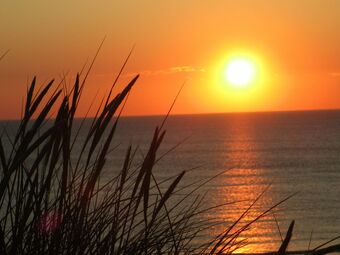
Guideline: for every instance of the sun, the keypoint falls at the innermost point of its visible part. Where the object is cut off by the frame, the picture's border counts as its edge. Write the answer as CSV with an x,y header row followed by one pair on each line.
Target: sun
x,y
240,72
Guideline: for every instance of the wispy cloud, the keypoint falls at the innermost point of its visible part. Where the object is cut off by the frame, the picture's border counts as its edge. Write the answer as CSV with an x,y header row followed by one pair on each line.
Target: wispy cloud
x,y
170,70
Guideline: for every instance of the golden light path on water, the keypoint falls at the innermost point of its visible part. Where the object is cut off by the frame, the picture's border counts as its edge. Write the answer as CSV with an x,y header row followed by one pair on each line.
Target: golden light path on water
x,y
246,185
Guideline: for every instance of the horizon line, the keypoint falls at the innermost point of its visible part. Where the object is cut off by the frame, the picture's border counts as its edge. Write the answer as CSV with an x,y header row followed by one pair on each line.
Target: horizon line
x,y
233,112
206,113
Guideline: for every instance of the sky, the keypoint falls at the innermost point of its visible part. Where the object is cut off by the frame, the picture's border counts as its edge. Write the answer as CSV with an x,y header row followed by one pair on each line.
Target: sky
x,y
294,45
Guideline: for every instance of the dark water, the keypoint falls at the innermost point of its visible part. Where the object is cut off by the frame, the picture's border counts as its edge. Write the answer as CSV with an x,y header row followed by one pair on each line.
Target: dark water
x,y
290,151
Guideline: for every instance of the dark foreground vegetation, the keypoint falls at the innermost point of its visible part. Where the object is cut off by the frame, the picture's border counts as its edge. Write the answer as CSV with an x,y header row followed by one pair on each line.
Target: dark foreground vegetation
x,y
54,202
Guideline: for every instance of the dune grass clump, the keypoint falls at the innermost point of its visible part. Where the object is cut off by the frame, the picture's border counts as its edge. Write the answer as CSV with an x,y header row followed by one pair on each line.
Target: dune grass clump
x,y
53,204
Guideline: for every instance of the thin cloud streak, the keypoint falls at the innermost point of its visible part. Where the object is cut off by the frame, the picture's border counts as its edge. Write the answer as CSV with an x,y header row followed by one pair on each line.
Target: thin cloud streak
x,y
167,71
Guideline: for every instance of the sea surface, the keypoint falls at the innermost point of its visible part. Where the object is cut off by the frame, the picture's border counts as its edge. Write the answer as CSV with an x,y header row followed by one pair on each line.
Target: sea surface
x,y
284,152
278,153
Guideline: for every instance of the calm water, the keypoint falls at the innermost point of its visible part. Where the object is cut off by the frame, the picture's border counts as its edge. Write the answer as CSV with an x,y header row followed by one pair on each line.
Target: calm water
x,y
291,152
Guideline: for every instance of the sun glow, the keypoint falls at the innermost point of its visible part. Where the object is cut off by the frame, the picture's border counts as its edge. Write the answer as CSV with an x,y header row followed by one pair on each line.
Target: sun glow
x,y
240,72
240,80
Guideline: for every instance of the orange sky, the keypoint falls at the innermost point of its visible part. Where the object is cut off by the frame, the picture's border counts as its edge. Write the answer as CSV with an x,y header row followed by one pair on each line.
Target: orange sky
x,y
296,44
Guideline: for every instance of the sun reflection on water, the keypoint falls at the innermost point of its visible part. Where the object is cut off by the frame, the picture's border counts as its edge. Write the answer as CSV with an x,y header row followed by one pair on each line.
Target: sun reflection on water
x,y
262,235
245,185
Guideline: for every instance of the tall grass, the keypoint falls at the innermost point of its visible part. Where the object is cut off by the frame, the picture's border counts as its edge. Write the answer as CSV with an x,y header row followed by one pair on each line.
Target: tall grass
x,y
53,203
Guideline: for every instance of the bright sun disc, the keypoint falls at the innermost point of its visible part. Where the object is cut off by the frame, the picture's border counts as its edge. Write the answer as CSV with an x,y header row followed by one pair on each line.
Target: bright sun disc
x,y
240,72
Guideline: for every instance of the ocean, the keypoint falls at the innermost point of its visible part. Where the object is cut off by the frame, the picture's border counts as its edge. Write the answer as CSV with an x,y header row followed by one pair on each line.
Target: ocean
x,y
284,152
278,153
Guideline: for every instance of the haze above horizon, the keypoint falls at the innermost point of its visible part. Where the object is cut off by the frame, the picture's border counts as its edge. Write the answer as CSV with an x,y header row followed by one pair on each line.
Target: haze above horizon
x,y
278,55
